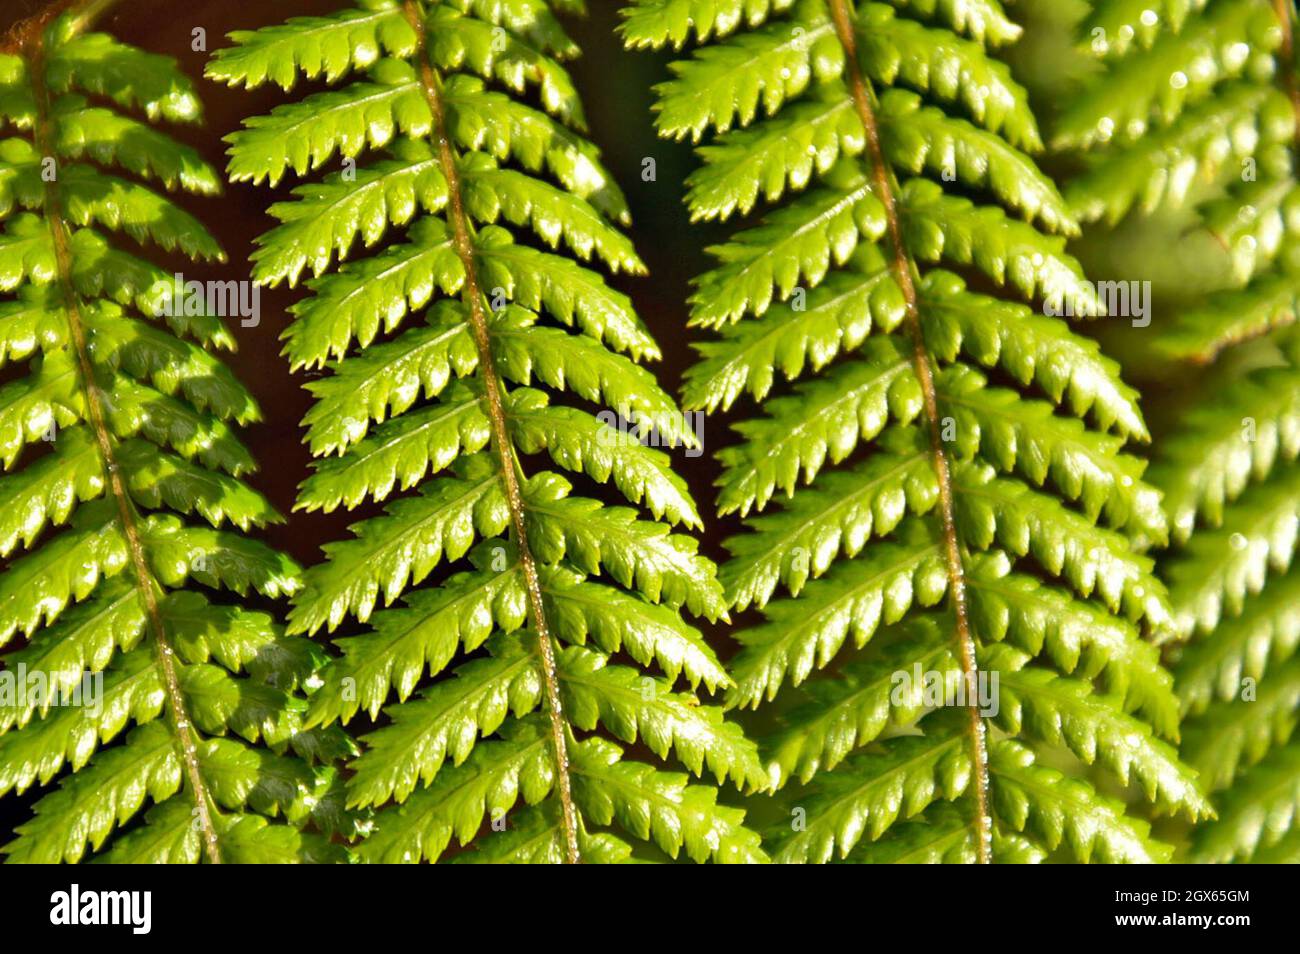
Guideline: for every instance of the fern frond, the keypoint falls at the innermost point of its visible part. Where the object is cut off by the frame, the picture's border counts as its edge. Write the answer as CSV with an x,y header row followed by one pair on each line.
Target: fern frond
x,y
653,23
920,138
315,47
982,20
836,517
941,227
797,244
842,715
1092,559
909,485
1025,437
853,600
445,304
148,683
1253,220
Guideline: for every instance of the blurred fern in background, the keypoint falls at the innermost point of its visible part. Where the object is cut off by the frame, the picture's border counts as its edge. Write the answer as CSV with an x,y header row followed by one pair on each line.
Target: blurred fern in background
x,y
1194,113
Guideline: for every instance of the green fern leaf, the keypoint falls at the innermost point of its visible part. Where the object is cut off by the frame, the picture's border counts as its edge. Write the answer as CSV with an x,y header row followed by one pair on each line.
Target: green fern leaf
x,y
836,517
872,791
824,423
942,835
1112,17
315,47
1055,810
1221,567
652,23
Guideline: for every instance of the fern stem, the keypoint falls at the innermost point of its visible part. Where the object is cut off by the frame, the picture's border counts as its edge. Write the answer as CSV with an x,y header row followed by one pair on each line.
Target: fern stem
x,y
904,269
473,298
34,53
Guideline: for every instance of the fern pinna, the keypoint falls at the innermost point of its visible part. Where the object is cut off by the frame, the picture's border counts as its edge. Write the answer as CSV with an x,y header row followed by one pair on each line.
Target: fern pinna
x,y
1196,109
134,682
447,346
958,503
